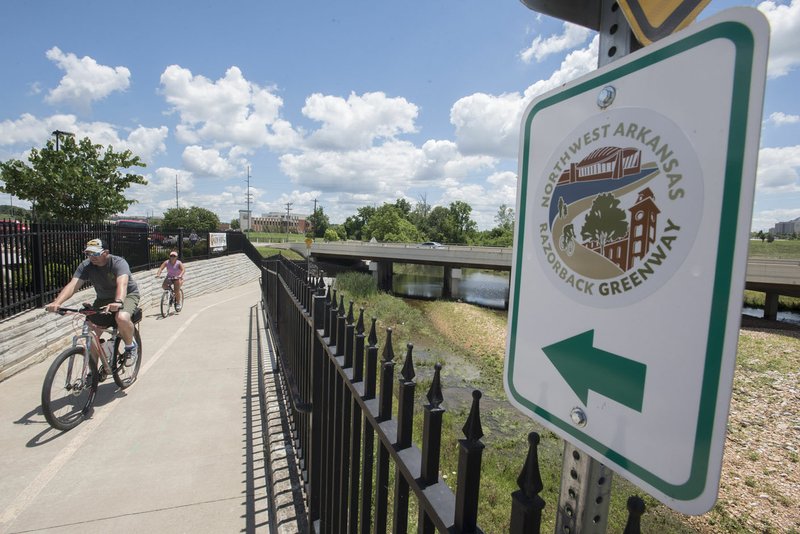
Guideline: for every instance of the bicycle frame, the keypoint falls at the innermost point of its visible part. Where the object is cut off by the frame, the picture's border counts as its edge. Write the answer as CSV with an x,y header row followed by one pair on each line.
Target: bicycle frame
x,y
90,339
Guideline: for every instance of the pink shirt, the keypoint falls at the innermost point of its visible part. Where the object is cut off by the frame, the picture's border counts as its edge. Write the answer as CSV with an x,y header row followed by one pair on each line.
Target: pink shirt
x,y
174,271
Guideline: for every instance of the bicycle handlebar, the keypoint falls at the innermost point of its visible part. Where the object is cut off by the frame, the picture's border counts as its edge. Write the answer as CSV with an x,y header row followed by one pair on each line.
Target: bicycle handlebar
x,y
86,310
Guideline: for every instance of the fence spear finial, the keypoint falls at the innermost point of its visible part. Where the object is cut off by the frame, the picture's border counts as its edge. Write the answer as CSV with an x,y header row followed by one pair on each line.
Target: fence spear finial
x,y
388,350
350,317
472,428
373,335
407,371
360,323
435,396
636,509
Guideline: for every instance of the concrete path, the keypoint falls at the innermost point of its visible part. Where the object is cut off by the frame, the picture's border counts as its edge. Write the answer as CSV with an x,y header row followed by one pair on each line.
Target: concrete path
x,y
179,451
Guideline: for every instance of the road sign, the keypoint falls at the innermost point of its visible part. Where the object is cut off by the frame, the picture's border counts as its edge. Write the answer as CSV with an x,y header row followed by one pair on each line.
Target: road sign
x,y
633,216
308,242
652,20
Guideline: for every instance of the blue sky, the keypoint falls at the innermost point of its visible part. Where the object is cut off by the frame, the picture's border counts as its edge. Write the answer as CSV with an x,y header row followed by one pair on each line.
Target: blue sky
x,y
351,103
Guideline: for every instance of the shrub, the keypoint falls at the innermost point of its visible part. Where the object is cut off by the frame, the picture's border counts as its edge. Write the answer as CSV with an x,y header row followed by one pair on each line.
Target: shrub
x,y
357,285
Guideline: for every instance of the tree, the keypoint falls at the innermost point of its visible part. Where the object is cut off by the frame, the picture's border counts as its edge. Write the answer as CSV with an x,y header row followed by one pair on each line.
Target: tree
x,y
761,235
439,225
463,227
194,218
319,222
388,224
331,235
605,220
14,212
354,224
235,224
80,181
505,217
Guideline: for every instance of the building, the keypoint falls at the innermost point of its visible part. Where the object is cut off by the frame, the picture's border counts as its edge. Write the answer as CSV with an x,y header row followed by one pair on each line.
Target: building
x,y
787,228
641,233
275,222
602,164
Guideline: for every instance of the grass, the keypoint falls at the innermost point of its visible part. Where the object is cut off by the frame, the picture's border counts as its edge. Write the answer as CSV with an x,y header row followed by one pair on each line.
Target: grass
x,y
778,249
287,253
275,237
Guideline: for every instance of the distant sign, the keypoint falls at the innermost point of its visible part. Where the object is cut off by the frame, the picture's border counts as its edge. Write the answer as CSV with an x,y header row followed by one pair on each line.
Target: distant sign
x,y
652,20
633,217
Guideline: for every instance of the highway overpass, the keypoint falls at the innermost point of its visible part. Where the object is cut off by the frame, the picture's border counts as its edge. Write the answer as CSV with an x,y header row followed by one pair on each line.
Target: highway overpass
x,y
770,276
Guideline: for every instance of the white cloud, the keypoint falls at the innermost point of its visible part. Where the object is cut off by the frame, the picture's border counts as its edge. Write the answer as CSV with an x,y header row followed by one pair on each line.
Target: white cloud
x,y
146,142
485,198
778,170
489,124
784,48
779,118
227,111
85,80
388,168
207,162
357,122
572,36
30,130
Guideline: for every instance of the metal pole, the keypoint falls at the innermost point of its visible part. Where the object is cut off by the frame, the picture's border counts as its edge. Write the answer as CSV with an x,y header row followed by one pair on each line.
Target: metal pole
x,y
586,483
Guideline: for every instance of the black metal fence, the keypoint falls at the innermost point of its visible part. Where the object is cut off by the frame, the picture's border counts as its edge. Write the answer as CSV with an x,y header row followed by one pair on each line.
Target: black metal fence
x,y
349,443
38,258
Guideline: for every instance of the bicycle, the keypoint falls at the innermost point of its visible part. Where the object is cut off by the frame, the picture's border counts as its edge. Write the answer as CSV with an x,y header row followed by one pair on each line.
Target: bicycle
x,y
70,384
168,298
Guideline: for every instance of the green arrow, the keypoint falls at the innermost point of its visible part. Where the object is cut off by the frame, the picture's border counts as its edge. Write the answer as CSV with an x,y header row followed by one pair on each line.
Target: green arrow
x,y
585,367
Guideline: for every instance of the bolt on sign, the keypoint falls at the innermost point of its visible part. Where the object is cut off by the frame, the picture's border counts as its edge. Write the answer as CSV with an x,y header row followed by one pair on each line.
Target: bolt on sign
x,y
634,203
652,20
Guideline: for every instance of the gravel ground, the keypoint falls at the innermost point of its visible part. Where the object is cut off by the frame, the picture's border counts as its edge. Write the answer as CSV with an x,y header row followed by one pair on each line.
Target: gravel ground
x,y
760,485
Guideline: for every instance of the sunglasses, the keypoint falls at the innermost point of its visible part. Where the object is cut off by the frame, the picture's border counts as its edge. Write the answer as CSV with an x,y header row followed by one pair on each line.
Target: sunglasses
x,y
92,254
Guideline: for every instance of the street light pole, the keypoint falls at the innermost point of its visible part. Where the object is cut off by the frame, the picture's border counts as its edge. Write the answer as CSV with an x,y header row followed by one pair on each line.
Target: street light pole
x,y
59,133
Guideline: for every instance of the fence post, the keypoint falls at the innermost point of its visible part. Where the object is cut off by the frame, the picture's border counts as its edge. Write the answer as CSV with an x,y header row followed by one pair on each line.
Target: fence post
x,y
315,452
431,442
405,430
384,414
469,470
369,434
38,264
526,504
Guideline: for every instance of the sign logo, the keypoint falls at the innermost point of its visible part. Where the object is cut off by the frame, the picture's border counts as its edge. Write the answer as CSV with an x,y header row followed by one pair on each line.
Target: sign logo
x,y
618,207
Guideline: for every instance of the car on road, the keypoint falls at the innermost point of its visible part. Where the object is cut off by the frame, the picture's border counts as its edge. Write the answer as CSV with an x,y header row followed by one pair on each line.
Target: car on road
x,y
431,244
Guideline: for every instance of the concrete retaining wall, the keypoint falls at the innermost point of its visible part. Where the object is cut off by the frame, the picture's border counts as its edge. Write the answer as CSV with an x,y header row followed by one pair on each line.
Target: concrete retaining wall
x,y
35,335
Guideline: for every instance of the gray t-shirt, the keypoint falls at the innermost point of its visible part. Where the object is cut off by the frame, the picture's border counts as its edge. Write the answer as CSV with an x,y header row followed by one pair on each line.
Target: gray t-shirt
x,y
104,279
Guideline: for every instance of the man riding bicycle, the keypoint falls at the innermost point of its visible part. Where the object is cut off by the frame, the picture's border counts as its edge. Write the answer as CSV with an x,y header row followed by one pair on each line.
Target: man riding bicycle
x,y
175,274
115,289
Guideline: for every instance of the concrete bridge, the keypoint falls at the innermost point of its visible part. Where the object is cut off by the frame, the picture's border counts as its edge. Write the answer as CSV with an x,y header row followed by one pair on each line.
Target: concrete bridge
x,y
772,277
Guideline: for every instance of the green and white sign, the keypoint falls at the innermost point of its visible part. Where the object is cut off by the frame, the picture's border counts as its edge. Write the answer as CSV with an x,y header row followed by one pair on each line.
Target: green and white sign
x,y
633,216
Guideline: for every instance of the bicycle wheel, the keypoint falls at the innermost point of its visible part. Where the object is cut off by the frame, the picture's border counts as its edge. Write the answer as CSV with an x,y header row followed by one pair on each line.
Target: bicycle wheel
x,y
177,307
125,376
165,304
69,389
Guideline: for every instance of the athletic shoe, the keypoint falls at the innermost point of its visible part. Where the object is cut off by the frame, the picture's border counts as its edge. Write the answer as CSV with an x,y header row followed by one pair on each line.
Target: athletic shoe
x,y
130,355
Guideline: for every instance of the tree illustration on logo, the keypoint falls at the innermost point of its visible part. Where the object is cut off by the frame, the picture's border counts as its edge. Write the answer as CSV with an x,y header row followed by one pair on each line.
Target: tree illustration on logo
x,y
605,221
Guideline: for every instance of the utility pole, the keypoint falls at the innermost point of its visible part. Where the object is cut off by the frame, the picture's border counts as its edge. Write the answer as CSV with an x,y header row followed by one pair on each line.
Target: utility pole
x,y
288,208
247,197
314,218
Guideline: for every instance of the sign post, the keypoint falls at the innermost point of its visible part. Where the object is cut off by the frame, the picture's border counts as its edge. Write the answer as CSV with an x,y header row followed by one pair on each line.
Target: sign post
x,y
634,206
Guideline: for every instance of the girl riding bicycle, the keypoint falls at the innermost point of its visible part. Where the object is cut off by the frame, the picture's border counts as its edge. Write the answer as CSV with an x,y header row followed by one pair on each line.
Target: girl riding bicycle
x,y
175,274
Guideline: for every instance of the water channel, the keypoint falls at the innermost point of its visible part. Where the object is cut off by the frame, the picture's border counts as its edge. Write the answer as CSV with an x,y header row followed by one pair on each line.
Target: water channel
x,y
488,288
